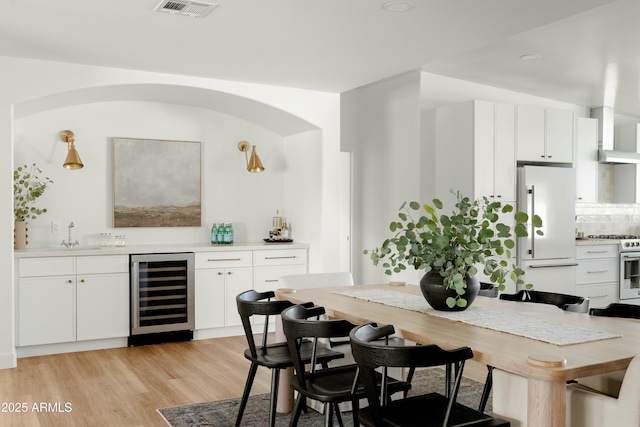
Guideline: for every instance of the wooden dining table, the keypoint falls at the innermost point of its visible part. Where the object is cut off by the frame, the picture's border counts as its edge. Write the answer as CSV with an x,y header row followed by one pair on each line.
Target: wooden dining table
x,y
546,366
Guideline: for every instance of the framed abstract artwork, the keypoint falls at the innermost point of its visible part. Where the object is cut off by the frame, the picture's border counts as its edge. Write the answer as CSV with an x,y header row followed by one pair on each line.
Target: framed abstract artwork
x,y
156,183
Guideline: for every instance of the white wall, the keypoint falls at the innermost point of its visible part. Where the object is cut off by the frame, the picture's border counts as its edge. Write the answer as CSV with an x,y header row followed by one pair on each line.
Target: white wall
x,y
385,129
84,196
38,88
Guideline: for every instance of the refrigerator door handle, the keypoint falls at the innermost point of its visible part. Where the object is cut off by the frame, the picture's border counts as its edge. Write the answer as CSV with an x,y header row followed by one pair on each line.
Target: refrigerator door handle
x,y
574,264
532,193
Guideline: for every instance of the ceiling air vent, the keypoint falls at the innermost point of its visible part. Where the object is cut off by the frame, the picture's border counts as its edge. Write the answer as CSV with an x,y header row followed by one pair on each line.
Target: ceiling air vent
x,y
195,9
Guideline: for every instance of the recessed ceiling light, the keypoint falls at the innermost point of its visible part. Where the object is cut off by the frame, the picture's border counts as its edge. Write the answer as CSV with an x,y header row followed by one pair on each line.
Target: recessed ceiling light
x,y
397,6
529,56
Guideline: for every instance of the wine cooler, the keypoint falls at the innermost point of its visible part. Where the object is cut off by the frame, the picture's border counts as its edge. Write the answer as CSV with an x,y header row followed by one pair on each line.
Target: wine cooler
x,y
162,297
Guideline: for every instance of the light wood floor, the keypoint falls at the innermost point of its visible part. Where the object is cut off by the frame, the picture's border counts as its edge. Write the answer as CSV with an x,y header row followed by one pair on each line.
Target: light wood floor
x,y
124,387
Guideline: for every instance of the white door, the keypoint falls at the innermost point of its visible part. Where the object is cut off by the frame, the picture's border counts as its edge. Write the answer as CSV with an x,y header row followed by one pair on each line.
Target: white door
x,y
345,211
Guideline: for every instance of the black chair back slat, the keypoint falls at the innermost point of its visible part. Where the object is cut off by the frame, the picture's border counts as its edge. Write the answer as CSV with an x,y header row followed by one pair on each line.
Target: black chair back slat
x,y
627,311
563,301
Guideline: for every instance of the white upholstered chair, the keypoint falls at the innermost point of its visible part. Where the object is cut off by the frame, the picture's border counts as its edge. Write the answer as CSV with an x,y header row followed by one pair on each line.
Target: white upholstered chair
x,y
587,407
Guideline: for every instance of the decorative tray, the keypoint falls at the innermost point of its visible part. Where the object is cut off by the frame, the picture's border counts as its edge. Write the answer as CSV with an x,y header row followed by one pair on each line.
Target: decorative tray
x,y
278,240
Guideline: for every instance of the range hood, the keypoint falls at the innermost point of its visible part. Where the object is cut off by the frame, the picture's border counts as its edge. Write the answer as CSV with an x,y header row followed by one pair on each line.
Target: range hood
x,y
607,152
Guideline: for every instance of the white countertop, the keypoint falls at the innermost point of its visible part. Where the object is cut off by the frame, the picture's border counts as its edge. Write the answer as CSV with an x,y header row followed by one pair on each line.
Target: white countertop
x,y
591,242
157,248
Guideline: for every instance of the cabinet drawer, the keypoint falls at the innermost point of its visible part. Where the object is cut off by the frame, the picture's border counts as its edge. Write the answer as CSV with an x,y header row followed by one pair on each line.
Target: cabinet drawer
x,y
48,266
268,278
597,251
103,264
600,295
279,257
223,259
597,271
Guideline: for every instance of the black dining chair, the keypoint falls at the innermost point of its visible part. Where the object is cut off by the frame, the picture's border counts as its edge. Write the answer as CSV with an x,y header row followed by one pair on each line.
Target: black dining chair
x,y
275,356
329,385
565,302
611,382
425,410
628,311
573,303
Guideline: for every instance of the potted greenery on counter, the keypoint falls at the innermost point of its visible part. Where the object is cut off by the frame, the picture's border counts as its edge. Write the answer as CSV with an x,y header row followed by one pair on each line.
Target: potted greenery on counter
x,y
27,187
449,247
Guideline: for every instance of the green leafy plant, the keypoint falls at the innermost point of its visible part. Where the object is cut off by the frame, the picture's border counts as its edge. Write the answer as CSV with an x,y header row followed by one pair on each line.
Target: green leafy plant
x,y
455,244
27,187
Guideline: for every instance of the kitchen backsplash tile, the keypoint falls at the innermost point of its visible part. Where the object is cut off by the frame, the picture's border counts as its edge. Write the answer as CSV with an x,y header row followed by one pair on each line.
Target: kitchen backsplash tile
x,y
608,218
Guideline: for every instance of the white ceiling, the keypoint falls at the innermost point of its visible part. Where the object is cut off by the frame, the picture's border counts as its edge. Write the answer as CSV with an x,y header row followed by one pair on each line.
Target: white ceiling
x,y
589,49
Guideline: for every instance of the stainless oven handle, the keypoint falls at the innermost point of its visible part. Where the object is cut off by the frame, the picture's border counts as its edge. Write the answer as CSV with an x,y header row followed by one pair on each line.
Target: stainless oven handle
x,y
630,257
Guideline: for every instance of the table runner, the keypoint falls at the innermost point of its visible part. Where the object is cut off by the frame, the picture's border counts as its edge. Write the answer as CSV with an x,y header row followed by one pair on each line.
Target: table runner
x,y
512,323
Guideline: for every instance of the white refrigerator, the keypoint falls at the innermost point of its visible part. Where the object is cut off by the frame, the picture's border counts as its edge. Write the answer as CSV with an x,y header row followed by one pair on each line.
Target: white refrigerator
x,y
548,261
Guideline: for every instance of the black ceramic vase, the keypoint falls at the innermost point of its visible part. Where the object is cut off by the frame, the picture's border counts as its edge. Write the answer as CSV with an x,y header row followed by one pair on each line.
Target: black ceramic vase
x,y
436,293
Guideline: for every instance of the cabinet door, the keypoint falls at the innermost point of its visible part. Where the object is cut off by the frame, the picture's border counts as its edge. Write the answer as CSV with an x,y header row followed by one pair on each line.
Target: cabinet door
x,y
530,133
559,135
236,280
268,278
483,149
504,164
102,306
47,310
209,298
586,160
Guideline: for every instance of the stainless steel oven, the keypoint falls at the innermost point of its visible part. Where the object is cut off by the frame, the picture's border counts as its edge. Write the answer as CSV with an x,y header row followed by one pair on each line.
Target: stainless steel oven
x,y
629,281
630,274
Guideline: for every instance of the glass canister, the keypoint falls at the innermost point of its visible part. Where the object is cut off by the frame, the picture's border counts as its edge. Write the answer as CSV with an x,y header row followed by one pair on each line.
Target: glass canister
x,y
105,240
120,242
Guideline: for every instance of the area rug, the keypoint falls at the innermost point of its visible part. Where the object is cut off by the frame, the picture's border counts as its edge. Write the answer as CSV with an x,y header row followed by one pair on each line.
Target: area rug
x,y
223,413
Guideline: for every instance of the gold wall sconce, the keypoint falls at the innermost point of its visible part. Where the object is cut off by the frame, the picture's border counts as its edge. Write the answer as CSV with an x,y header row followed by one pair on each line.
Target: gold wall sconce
x,y
73,158
253,164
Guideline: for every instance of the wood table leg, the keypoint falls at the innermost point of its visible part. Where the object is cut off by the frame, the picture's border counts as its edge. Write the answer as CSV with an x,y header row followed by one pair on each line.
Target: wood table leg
x,y
546,404
285,392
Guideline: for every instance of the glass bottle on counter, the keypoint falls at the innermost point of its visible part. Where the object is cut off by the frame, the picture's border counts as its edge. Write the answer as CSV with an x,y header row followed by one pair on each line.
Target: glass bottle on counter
x,y
214,234
220,234
230,234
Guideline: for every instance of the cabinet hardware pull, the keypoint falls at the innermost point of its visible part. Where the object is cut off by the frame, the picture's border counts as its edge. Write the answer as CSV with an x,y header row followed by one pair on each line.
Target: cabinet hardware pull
x,y
81,280
219,273
271,280
229,273
280,257
225,259
69,281
597,252
598,296
597,271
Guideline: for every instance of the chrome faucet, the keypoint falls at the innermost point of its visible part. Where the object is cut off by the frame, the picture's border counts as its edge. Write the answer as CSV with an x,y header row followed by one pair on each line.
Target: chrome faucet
x,y
70,244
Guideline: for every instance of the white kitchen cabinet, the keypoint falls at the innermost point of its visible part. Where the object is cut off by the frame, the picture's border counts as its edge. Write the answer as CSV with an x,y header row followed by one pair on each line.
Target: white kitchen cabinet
x,y
544,135
475,148
47,310
627,176
102,297
586,163
209,298
270,265
67,299
220,277
597,274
